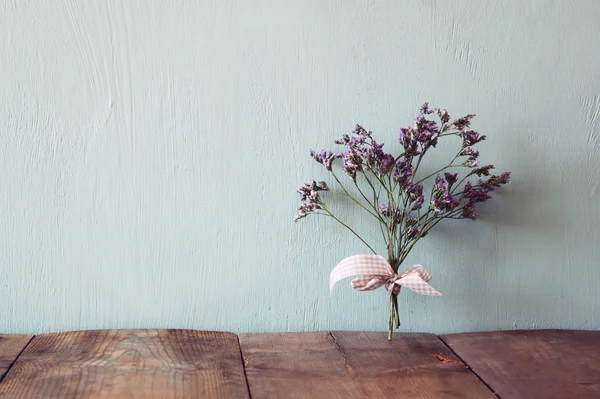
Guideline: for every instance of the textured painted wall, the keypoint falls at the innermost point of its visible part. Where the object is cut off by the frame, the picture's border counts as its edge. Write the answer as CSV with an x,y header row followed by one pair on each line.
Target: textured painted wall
x,y
150,151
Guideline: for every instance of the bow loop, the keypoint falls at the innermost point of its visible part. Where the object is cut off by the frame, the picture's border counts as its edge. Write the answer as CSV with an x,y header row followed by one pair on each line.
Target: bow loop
x,y
367,267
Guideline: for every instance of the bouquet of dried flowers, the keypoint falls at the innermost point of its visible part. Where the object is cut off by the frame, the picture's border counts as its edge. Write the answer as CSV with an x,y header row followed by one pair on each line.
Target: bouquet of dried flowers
x,y
392,190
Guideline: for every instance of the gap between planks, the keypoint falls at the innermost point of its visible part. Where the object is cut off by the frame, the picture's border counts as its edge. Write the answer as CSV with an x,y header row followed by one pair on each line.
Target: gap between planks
x,y
2,375
469,367
243,360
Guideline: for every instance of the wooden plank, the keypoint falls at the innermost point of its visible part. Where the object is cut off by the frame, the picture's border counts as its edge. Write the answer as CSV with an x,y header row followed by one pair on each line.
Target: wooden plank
x,y
355,365
533,364
128,364
10,348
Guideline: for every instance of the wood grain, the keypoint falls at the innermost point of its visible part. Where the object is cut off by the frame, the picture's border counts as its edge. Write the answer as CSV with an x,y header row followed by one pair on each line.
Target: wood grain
x,y
10,348
355,365
128,364
533,364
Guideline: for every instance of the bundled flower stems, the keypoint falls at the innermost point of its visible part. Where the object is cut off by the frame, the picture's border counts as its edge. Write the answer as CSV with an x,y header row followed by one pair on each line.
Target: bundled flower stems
x,y
391,189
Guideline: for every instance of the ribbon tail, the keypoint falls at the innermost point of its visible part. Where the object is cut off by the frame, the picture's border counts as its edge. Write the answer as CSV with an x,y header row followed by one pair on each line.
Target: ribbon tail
x,y
415,283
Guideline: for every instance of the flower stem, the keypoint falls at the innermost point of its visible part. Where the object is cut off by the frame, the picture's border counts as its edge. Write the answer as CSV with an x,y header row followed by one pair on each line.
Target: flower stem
x,y
450,165
394,317
348,227
391,319
347,194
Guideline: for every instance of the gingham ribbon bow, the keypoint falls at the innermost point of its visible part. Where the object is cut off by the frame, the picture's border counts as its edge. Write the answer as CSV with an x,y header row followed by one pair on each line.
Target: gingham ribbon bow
x,y
373,271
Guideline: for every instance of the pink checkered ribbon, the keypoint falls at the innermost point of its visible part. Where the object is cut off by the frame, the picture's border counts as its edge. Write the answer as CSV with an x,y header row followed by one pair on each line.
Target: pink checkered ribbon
x,y
373,271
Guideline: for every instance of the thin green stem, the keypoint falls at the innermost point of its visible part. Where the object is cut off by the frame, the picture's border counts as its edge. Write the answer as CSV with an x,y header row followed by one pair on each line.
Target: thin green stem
x,y
363,194
351,197
391,319
459,183
374,205
442,169
423,151
377,177
396,312
357,202
428,227
348,227
381,224
448,134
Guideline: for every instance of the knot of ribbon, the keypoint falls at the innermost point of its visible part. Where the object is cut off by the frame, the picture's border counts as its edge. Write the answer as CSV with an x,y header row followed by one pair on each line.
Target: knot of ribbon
x,y
373,271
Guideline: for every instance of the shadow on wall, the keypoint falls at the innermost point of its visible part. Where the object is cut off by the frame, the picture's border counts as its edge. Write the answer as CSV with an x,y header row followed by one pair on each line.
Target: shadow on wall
x,y
508,258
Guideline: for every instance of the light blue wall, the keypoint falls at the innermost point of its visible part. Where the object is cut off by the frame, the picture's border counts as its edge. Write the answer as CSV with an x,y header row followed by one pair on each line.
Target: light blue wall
x,y
150,152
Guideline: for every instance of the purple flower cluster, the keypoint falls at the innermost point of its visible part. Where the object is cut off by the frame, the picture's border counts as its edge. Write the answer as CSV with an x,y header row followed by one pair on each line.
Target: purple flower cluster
x,y
444,117
377,159
414,231
425,133
325,158
403,173
496,181
394,215
309,197
480,192
450,198
482,171
415,196
442,199
470,138
410,144
362,154
352,163
473,196
463,123
471,161
425,109
451,178
386,164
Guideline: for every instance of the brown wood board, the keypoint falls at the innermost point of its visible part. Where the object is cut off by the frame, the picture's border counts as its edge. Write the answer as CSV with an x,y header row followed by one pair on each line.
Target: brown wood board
x,y
10,348
128,364
533,364
355,365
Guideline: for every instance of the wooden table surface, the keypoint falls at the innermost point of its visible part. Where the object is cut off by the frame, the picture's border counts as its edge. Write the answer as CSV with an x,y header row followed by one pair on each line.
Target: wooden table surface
x,y
201,364
533,364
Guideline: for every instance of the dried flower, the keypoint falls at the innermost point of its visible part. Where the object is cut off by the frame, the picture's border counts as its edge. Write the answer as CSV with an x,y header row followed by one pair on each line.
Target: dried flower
x,y
394,215
464,122
309,195
395,186
482,171
496,181
425,131
451,178
425,109
325,158
470,138
442,199
403,173
386,163
352,163
360,131
443,115
410,144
